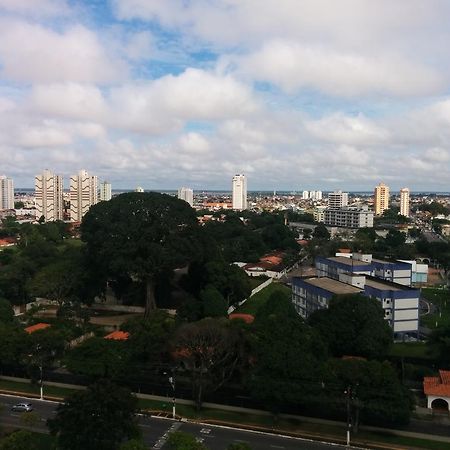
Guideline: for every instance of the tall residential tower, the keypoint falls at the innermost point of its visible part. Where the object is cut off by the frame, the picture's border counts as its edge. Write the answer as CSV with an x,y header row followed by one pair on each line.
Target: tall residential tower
x,y
48,189
6,193
105,191
83,194
381,199
239,192
337,199
404,202
186,194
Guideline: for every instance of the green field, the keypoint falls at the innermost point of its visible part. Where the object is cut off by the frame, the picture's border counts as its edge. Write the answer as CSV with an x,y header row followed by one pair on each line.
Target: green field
x,y
416,350
252,305
441,299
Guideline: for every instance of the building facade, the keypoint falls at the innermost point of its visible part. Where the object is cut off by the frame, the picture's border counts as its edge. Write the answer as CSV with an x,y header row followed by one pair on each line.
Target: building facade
x,y
105,193
349,217
337,199
239,192
48,189
187,195
400,303
6,193
83,194
381,199
404,202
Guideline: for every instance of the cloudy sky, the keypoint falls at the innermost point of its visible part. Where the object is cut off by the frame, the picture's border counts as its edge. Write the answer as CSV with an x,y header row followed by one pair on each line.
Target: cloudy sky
x,y
296,94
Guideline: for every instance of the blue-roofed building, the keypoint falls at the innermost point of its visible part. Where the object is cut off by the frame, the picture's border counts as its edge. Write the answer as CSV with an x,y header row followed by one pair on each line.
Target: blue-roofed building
x,y
400,303
397,271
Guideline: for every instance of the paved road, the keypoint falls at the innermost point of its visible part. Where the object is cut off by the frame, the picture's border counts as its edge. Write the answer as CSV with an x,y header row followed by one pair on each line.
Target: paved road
x,y
155,430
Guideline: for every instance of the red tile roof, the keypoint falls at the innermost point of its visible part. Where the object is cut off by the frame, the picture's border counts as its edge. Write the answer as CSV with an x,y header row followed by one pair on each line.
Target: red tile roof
x,y
247,318
36,327
118,335
439,386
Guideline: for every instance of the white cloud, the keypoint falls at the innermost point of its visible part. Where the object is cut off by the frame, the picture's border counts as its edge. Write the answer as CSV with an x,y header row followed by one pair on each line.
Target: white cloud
x,y
194,143
292,66
46,8
33,53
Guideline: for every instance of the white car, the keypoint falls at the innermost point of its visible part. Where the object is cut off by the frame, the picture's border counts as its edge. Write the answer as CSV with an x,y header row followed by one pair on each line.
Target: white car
x,y
22,407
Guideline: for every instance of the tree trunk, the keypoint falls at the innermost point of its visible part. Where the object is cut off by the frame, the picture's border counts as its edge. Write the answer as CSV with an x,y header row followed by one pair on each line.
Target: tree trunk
x,y
150,303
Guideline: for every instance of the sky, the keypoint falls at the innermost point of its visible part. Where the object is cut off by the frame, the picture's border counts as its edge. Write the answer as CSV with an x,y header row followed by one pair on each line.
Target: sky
x,y
295,94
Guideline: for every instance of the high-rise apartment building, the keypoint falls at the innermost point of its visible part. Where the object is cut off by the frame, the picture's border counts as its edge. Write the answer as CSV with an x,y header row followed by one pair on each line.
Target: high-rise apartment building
x,y
186,194
239,192
315,195
381,199
404,202
305,195
83,194
48,189
105,191
6,193
337,199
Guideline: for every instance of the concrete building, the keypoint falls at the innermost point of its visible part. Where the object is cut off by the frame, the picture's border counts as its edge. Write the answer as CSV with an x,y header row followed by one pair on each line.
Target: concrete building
x,y
381,199
186,194
48,191
349,217
315,195
239,192
400,303
6,193
305,195
404,202
337,199
399,272
139,189
105,191
83,194
437,391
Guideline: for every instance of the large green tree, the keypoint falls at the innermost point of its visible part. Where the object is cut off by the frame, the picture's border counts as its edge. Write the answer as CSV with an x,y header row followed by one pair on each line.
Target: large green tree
x,y
287,356
19,440
100,418
354,325
210,351
139,234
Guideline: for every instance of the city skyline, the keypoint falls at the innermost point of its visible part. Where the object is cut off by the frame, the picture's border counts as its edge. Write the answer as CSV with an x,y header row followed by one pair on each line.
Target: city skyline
x,y
163,94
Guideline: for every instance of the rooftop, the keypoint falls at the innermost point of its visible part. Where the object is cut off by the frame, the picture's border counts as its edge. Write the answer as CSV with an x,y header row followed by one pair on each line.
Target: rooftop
x,y
37,327
439,386
334,286
348,261
118,335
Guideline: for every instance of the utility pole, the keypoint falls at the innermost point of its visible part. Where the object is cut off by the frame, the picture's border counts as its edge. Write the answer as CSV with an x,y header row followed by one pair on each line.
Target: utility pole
x,y
172,384
348,393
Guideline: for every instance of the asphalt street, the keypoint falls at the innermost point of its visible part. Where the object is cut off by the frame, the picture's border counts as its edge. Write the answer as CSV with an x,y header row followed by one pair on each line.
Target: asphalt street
x,y
155,430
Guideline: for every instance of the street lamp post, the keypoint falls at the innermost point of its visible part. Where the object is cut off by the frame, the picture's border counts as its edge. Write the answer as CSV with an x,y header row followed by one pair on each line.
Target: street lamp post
x,y
172,383
41,382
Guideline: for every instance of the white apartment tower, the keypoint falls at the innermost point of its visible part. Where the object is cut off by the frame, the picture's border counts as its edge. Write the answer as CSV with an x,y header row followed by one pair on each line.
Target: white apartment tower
x,y
186,194
337,199
6,193
105,191
381,199
83,194
404,202
239,192
48,189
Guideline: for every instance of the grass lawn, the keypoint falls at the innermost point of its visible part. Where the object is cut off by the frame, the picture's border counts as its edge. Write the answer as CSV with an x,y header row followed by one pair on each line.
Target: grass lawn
x,y
441,299
29,388
410,350
252,305
256,281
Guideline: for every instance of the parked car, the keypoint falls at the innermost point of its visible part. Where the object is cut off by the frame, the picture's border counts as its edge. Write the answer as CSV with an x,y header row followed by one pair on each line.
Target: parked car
x,y
22,407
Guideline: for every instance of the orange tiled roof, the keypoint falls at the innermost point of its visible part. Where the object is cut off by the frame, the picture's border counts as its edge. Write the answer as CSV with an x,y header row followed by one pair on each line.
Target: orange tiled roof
x,y
438,385
118,335
36,327
247,318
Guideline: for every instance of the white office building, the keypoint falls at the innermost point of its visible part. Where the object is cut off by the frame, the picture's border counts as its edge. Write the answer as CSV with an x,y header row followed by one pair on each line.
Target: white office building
x,y
239,192
6,193
337,199
349,217
83,194
105,191
186,194
404,202
48,191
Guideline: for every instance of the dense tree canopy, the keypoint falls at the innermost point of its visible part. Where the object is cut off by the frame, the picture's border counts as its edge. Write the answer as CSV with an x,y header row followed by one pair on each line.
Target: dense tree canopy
x,y
99,418
354,325
140,234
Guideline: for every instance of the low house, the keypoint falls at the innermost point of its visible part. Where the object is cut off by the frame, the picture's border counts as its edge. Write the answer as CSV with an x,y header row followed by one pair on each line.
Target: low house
x,y
437,390
270,265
